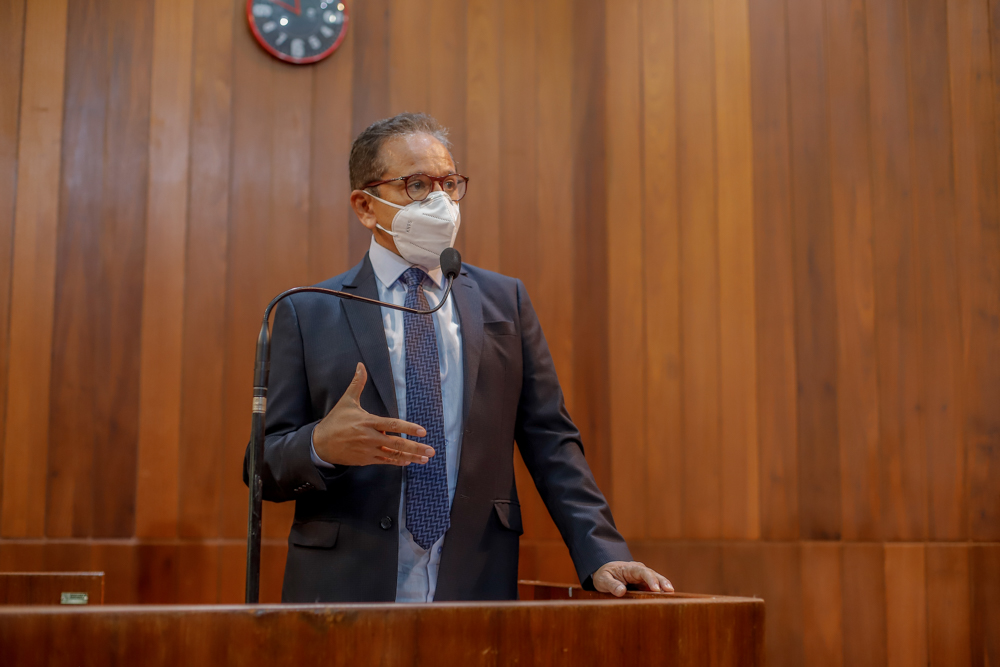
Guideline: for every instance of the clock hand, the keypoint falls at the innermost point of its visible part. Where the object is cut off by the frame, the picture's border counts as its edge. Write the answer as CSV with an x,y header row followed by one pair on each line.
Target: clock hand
x,y
297,9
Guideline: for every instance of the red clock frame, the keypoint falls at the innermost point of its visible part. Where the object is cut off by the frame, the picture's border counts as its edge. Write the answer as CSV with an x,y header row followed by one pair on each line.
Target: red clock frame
x,y
289,59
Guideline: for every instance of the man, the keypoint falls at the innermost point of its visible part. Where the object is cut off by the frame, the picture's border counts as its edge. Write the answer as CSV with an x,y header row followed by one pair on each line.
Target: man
x,y
433,515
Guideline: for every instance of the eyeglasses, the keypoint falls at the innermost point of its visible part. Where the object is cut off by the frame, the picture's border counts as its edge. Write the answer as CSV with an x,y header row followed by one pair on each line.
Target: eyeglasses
x,y
418,186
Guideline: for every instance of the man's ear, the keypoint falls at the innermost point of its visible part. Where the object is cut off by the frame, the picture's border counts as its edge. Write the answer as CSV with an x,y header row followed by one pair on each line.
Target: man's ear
x,y
363,208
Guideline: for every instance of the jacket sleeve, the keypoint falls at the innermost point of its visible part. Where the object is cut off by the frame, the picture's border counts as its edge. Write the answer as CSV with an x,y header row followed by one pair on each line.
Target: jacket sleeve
x,y
553,453
287,468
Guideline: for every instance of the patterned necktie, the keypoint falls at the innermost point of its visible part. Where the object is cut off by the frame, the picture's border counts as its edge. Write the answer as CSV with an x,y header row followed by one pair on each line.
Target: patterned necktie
x,y
427,515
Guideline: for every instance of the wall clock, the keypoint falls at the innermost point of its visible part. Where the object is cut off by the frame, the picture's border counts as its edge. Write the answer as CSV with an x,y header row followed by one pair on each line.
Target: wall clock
x,y
298,31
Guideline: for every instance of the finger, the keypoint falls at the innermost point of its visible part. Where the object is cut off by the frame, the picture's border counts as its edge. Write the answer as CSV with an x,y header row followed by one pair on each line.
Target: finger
x,y
607,583
650,578
400,455
404,445
402,463
665,585
390,425
357,383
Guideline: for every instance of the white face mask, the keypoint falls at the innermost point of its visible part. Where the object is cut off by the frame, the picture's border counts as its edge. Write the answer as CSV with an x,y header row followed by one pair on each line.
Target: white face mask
x,y
423,229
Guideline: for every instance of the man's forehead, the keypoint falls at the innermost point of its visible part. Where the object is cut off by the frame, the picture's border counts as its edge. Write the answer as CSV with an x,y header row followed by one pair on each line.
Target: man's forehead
x,y
418,152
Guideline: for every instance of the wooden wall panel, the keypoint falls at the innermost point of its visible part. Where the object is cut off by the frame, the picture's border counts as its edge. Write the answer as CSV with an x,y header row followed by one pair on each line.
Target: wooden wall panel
x,y
776,379
815,299
33,272
762,237
11,57
75,402
201,450
479,236
739,445
661,267
625,267
699,271
161,347
977,212
897,308
948,608
851,210
906,604
934,215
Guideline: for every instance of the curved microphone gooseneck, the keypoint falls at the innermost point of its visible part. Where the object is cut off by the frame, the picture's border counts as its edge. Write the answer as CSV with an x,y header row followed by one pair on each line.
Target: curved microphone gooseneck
x,y
451,264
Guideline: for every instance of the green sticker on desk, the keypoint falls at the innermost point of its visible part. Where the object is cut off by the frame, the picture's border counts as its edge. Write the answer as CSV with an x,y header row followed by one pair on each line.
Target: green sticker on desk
x,y
74,598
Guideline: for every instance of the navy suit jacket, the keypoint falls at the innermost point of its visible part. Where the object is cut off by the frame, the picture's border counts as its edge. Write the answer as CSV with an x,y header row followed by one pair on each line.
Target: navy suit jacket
x,y
343,543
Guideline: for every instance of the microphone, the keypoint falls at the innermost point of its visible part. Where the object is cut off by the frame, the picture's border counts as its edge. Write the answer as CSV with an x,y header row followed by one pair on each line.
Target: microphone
x,y
451,265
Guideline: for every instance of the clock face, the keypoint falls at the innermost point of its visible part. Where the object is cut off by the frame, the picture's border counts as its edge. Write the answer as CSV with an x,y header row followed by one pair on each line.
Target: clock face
x,y
298,31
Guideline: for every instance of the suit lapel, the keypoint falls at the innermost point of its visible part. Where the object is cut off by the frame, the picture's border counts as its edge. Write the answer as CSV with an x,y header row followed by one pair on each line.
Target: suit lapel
x,y
369,334
470,317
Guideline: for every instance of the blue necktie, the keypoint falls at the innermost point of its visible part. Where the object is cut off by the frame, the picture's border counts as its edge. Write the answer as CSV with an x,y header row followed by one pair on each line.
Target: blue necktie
x,y
427,516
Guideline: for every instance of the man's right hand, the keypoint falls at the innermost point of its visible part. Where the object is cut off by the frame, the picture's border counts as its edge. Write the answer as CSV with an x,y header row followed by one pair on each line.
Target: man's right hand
x,y
352,437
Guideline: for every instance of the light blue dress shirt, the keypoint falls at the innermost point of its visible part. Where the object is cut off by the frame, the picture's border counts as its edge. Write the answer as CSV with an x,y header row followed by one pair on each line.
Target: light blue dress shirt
x,y
417,570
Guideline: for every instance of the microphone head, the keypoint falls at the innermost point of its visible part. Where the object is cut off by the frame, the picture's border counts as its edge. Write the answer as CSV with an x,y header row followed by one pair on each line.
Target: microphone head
x,y
451,262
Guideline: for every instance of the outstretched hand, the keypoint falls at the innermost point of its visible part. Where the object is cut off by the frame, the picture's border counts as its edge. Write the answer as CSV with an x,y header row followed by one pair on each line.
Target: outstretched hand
x,y
613,578
349,435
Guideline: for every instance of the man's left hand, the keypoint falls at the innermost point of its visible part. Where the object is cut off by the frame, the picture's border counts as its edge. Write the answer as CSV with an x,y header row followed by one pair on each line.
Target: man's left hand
x,y
614,576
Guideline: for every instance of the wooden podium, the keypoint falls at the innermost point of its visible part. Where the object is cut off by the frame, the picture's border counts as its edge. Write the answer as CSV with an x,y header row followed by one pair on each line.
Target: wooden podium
x,y
552,625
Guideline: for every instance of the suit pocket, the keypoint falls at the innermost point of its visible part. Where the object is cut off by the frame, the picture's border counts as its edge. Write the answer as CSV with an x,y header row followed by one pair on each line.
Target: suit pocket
x,y
314,534
499,329
509,514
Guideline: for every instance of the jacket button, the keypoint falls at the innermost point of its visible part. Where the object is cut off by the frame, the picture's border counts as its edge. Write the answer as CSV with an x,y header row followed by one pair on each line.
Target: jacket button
x,y
386,523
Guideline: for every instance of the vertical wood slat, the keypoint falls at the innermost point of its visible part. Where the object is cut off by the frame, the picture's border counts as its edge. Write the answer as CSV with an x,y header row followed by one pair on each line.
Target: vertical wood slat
x,y
934,213
201,462
12,15
822,605
851,210
776,371
948,605
739,448
479,236
906,604
554,217
370,95
977,212
699,272
624,215
661,272
163,279
74,389
409,36
448,93
984,582
815,300
119,318
864,604
897,307
590,194
33,271
330,215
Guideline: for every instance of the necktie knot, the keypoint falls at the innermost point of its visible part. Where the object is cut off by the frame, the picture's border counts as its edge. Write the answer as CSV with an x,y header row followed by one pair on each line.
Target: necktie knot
x,y
412,277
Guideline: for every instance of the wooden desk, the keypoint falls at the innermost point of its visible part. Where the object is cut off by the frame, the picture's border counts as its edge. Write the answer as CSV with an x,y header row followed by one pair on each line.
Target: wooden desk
x,y
22,588
644,629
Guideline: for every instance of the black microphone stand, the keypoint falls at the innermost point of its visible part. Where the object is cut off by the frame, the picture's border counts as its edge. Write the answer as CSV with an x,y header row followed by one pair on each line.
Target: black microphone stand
x,y
451,262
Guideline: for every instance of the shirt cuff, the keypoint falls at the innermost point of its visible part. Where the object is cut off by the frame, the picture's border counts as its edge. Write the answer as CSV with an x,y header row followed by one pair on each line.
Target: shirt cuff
x,y
317,461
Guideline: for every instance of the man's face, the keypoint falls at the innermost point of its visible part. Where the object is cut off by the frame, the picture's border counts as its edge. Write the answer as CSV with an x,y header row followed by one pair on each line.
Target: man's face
x,y
418,153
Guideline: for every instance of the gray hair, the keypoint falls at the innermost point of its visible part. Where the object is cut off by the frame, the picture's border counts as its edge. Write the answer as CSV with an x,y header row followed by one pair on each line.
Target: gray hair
x,y
366,163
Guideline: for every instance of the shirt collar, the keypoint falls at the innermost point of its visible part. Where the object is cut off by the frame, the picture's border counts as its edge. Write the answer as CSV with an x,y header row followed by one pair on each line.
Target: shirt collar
x,y
389,266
